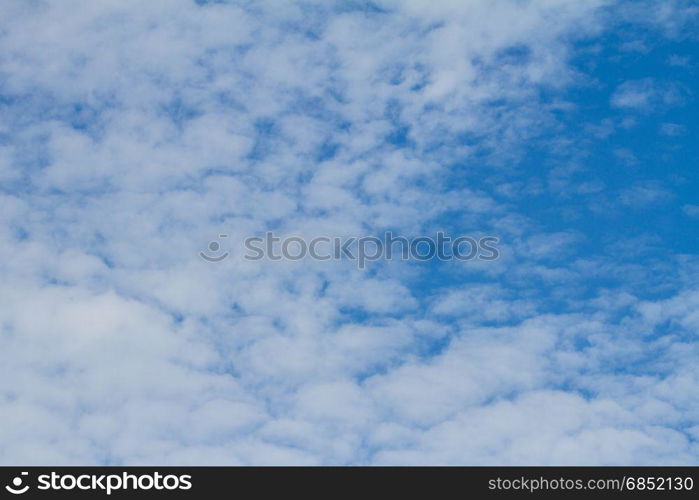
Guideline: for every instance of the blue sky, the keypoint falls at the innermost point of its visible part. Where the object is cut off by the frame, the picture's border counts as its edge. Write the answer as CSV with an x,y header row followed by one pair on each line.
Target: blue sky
x,y
132,134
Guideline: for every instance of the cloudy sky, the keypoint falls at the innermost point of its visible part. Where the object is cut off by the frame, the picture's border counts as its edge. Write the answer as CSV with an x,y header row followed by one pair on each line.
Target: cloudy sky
x,y
133,133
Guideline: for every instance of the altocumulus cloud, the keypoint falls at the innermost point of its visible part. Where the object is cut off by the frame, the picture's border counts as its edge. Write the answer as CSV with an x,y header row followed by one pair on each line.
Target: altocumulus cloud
x,y
132,133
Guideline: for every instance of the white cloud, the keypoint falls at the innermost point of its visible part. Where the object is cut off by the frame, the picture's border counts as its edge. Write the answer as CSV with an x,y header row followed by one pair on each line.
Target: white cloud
x,y
645,94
